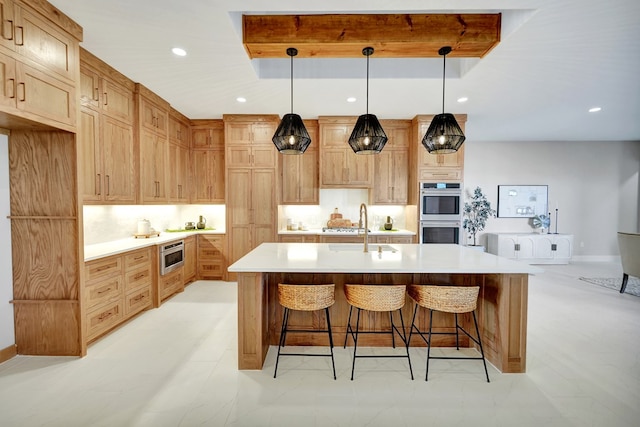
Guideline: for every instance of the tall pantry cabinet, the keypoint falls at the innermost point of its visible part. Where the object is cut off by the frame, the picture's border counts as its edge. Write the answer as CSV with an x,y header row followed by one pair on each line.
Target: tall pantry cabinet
x,y
251,182
45,207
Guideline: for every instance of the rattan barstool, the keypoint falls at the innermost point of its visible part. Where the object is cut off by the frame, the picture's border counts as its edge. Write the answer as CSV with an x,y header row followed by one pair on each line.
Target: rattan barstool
x,y
305,298
378,298
447,299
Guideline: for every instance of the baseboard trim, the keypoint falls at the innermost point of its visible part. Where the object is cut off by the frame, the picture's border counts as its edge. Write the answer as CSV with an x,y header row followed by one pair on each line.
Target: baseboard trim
x,y
8,353
596,258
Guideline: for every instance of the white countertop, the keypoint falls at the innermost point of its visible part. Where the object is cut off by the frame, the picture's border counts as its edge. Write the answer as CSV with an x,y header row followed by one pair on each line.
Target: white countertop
x,y
100,250
350,258
319,232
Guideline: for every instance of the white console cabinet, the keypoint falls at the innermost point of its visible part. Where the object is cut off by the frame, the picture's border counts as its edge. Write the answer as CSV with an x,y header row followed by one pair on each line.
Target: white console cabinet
x,y
532,248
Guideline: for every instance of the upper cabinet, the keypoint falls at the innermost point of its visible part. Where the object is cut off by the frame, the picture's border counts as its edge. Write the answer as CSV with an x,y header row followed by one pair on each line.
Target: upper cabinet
x,y
39,54
153,119
391,166
179,128
248,141
207,161
106,134
207,134
340,167
300,172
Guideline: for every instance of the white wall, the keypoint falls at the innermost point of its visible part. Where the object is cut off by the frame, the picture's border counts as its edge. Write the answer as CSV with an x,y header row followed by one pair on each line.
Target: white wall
x,y
7,334
594,184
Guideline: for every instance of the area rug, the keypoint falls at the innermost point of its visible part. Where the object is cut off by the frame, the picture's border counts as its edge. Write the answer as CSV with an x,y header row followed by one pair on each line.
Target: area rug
x,y
633,285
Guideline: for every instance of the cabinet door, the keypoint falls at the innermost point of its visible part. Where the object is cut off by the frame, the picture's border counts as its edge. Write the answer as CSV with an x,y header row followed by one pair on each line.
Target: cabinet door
x,y
239,196
91,167
563,247
543,247
89,87
190,259
391,177
152,158
152,117
333,170
178,180
39,93
8,79
119,169
335,135
300,178
507,246
179,131
526,247
263,198
117,101
42,42
359,170
208,176
7,24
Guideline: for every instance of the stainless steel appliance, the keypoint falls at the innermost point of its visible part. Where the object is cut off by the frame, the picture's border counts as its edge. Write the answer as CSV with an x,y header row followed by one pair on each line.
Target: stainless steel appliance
x,y
171,256
440,201
440,232
440,212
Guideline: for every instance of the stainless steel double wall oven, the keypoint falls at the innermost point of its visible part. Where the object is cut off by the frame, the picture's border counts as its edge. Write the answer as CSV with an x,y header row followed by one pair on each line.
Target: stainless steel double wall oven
x,y
440,212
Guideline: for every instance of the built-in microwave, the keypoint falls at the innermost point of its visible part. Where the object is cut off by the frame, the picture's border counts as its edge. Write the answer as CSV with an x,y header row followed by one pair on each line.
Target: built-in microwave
x,y
171,256
440,201
440,232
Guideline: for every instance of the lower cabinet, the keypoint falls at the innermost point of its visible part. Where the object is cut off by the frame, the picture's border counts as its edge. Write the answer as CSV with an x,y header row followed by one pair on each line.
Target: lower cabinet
x,y
390,239
532,248
211,259
298,238
170,284
116,288
190,259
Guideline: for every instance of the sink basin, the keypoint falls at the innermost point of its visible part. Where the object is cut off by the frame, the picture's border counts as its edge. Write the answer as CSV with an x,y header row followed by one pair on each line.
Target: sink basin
x,y
359,247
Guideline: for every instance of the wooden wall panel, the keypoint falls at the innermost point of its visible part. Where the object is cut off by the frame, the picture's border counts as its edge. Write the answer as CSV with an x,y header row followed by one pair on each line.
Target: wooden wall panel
x,y
49,328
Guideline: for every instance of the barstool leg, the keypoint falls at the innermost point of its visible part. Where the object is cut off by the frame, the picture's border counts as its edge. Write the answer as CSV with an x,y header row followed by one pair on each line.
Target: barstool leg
x,y
457,336
406,342
426,376
480,344
393,338
413,324
285,318
333,365
355,344
346,334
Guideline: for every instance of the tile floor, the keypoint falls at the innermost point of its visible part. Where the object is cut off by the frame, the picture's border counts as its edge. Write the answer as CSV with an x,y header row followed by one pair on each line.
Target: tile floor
x,y
176,366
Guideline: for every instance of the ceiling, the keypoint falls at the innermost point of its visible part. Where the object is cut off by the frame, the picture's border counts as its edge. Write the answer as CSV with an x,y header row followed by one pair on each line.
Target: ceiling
x,y
556,59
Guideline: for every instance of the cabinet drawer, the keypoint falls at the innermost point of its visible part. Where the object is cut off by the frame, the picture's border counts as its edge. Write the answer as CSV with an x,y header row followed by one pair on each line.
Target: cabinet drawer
x,y
136,259
170,284
210,270
103,291
209,253
455,174
104,318
137,301
137,278
102,268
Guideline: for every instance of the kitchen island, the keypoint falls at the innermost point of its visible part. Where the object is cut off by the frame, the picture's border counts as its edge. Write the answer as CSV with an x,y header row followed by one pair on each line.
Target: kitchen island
x,y
502,305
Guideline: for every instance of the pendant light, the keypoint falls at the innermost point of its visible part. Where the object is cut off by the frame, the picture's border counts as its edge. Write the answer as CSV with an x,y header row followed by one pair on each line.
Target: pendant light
x,y
367,136
291,137
444,135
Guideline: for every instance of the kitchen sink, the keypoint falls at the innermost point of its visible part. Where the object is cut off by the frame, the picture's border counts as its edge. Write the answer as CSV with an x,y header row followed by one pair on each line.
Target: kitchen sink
x,y
359,247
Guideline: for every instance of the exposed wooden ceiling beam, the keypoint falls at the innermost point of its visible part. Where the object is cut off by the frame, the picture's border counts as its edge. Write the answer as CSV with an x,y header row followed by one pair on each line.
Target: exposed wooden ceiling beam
x,y
391,35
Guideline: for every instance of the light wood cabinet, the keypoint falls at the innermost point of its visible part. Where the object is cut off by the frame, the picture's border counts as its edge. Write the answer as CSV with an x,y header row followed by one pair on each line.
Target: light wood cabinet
x,y
352,238
390,239
208,172
207,134
171,283
179,161
39,48
300,181
251,182
106,133
298,238
153,117
211,259
391,166
436,167
179,128
116,288
207,161
340,167
190,259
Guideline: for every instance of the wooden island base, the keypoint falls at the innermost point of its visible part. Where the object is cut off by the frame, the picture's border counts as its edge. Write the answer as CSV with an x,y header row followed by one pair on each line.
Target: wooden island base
x,y
502,314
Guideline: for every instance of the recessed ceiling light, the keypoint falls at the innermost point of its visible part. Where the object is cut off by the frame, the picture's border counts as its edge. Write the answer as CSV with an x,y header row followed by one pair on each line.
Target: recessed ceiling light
x,y
241,99
351,99
594,109
179,51
463,99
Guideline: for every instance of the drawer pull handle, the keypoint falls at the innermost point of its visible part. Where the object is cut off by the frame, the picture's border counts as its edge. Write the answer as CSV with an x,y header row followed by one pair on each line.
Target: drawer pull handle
x,y
105,316
104,290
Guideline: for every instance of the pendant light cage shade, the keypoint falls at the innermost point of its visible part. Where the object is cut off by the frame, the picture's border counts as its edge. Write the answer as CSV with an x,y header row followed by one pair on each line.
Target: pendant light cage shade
x,y
367,136
444,134
291,137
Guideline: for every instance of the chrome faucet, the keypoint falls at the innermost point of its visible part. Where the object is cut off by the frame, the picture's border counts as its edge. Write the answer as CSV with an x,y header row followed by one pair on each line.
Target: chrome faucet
x,y
363,209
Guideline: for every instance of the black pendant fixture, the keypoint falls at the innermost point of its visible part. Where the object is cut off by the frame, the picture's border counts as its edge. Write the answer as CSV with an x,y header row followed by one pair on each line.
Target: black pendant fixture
x,y
367,136
444,135
291,137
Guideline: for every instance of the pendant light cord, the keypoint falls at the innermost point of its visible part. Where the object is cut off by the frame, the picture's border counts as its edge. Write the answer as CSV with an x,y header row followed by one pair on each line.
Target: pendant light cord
x,y
368,84
292,85
444,68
